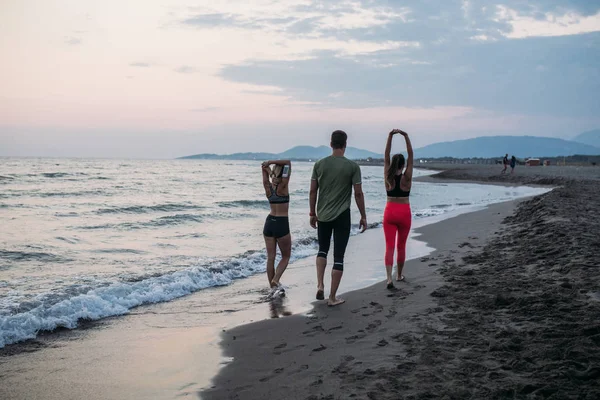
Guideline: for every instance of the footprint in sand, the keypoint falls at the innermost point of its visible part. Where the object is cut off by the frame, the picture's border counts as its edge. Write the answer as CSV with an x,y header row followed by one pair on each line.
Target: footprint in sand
x,y
391,313
342,368
335,328
398,293
354,338
373,325
318,382
375,307
314,330
279,352
406,367
369,372
318,349
275,372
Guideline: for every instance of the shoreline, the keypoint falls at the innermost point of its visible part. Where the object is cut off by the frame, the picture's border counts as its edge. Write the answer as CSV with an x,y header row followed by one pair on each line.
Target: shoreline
x,y
178,336
466,338
84,325
163,342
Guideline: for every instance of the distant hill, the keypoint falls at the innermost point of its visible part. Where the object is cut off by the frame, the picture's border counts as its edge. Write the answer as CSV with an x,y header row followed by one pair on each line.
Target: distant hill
x,y
295,153
497,146
481,147
591,138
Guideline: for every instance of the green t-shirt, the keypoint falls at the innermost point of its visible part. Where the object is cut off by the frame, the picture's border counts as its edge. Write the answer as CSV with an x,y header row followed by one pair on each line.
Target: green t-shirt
x,y
335,176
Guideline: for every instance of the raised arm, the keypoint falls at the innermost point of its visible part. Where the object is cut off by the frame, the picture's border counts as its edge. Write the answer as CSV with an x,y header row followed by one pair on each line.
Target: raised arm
x,y
285,174
409,162
265,179
388,150
279,162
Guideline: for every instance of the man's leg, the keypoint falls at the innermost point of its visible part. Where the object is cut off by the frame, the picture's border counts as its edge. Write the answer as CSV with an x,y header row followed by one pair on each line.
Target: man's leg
x,y
324,230
341,235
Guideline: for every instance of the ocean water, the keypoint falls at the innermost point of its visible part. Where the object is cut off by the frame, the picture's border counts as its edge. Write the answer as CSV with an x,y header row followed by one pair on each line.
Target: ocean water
x,y
89,238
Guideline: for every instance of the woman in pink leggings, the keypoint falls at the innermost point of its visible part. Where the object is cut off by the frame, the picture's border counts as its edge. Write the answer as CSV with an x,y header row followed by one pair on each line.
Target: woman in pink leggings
x,y
397,216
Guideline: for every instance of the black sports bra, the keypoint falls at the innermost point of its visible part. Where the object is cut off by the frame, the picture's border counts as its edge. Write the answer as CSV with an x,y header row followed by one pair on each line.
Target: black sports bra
x,y
397,190
274,198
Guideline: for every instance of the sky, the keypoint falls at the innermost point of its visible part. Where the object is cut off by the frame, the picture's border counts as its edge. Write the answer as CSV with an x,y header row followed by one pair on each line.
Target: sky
x,y
168,78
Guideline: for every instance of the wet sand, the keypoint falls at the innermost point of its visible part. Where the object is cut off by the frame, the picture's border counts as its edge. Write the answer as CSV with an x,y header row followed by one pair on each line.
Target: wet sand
x,y
508,307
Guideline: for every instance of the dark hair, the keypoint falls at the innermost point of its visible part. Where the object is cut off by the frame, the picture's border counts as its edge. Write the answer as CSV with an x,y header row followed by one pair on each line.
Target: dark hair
x,y
396,165
338,139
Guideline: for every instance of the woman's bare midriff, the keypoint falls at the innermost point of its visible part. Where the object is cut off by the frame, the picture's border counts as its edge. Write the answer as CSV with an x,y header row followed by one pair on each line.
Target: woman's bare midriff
x,y
399,200
280,210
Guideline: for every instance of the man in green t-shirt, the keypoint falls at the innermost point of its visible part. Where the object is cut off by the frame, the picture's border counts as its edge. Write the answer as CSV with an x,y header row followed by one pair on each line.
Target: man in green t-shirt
x,y
332,180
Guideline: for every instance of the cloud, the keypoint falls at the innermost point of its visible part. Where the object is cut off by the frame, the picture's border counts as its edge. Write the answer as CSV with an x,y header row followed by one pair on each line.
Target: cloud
x,y
458,20
548,24
540,7
456,53
499,75
295,16
72,41
185,69
304,25
299,27
140,64
210,20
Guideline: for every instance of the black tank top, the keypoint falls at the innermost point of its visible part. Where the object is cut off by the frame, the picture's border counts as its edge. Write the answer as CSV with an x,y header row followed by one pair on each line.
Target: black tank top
x,y
397,191
274,198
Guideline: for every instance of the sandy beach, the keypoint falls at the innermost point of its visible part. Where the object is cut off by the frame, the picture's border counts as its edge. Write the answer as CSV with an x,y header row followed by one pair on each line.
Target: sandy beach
x,y
507,307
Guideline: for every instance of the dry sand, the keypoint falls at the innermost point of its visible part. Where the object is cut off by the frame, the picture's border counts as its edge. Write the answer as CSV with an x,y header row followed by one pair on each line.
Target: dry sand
x,y
523,175
508,307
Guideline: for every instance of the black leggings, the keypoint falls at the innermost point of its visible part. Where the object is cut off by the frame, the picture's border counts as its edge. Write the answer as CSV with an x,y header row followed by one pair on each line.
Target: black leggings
x,y
341,233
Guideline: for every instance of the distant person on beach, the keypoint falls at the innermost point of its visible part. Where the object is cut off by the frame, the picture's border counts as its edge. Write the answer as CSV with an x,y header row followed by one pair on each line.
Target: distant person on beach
x,y
397,217
513,163
505,162
332,181
277,227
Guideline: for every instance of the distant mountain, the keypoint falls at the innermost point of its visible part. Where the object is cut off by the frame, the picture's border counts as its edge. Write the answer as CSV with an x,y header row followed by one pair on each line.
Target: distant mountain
x,y
306,152
295,153
481,147
591,138
497,146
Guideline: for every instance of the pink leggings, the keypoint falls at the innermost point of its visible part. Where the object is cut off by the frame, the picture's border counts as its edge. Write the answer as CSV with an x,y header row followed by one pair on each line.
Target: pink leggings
x,y
396,226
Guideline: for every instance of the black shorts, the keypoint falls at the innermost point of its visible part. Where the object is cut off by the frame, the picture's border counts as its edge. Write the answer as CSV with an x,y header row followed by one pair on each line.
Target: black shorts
x,y
276,227
340,227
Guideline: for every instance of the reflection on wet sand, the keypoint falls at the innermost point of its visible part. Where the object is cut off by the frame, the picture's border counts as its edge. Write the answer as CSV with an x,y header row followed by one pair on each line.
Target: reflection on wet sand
x,y
278,307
